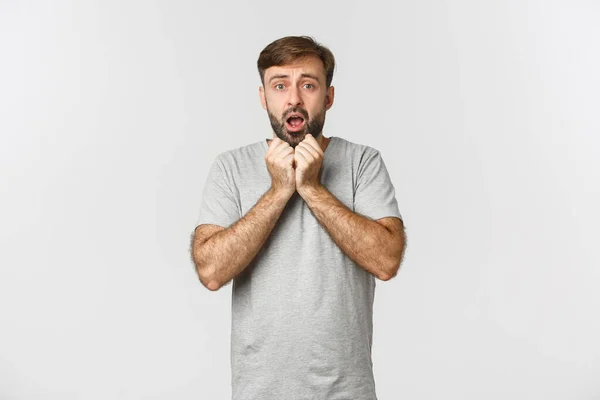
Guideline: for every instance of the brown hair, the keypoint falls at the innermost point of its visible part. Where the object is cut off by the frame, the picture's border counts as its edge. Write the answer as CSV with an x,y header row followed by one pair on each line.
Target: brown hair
x,y
292,48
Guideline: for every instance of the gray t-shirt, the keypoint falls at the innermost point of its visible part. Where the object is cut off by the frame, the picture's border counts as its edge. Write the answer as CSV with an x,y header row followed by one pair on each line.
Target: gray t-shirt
x,y
302,311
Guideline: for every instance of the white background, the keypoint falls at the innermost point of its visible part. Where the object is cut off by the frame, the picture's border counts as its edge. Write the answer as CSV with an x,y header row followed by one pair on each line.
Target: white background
x,y
486,114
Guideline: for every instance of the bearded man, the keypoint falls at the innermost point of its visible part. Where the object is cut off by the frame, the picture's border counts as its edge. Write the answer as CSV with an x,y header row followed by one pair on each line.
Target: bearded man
x,y
303,225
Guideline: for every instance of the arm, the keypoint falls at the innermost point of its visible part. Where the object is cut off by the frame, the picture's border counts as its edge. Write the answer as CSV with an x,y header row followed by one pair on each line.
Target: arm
x,y
376,246
220,254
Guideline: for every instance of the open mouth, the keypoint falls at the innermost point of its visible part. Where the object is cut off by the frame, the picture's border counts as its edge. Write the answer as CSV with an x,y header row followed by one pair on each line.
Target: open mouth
x,y
294,123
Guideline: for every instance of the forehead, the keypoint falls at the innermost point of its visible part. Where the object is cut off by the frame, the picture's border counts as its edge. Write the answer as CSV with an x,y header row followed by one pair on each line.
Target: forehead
x,y
308,65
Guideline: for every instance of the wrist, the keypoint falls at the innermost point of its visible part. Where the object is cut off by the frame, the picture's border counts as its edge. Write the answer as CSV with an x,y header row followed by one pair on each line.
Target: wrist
x,y
309,192
280,194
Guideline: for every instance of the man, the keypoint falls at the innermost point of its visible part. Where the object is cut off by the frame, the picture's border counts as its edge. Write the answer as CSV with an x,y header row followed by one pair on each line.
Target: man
x,y
302,224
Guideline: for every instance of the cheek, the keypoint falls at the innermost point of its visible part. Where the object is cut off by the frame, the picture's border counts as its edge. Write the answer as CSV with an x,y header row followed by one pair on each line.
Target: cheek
x,y
274,103
317,109
319,103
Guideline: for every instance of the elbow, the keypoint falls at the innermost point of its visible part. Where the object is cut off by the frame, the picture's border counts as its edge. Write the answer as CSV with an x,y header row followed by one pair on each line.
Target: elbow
x,y
204,269
391,265
207,279
387,275
390,270
213,286
206,274
384,276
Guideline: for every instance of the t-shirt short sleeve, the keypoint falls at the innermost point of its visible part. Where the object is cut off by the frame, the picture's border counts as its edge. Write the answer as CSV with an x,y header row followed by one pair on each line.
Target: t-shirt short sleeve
x,y
220,204
374,196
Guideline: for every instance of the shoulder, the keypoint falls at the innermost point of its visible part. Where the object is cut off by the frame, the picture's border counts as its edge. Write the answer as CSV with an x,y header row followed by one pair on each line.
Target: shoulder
x,y
353,147
357,152
242,155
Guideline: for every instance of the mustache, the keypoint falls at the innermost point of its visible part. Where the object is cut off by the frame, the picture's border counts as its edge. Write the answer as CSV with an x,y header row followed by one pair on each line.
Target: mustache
x,y
295,110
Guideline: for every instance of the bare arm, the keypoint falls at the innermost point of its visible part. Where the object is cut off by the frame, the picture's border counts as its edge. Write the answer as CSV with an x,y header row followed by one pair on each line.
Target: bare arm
x,y
220,254
376,246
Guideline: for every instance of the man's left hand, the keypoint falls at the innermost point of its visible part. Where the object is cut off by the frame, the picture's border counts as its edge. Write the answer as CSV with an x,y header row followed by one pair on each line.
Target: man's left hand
x,y
309,158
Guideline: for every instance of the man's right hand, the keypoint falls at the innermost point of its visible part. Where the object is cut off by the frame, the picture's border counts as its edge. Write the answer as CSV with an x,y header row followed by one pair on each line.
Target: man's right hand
x,y
280,163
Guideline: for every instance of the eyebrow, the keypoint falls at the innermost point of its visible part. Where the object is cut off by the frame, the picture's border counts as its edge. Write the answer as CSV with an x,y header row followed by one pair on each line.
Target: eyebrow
x,y
279,76
316,78
284,76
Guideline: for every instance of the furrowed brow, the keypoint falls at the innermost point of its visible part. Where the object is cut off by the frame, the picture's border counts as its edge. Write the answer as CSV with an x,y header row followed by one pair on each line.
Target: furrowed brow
x,y
311,76
279,76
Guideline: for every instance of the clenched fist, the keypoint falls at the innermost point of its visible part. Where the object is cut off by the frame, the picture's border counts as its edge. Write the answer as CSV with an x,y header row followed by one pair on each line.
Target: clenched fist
x,y
280,164
308,158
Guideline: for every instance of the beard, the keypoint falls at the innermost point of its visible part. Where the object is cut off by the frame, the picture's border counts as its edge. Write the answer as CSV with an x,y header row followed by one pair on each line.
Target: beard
x,y
314,125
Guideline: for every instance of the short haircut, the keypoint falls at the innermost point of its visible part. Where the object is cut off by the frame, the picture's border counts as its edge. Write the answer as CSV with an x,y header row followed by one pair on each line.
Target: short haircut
x,y
293,48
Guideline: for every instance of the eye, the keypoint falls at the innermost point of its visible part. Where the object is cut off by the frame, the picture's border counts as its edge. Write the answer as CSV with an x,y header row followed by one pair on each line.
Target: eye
x,y
309,85
279,86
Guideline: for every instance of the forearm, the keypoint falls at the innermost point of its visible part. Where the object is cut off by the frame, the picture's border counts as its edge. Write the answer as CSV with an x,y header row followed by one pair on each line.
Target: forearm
x,y
366,242
226,254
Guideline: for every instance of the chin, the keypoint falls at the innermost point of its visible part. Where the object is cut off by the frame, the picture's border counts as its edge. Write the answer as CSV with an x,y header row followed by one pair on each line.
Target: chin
x,y
294,138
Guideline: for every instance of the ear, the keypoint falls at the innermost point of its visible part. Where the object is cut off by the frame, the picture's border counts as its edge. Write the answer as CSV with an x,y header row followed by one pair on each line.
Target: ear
x,y
263,101
329,97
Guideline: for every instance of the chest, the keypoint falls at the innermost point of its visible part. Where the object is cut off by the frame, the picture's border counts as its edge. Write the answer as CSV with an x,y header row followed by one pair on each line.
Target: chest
x,y
336,176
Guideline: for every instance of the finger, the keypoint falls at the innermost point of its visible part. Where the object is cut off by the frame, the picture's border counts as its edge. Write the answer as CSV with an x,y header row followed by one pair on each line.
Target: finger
x,y
276,149
310,149
305,154
277,139
282,151
275,144
309,140
272,145
300,159
283,159
289,160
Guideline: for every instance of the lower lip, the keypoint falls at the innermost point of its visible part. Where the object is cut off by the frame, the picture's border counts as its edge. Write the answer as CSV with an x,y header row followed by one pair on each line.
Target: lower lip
x,y
294,129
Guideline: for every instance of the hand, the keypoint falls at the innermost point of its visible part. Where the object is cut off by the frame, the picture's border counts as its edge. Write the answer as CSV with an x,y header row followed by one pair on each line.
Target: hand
x,y
280,164
309,158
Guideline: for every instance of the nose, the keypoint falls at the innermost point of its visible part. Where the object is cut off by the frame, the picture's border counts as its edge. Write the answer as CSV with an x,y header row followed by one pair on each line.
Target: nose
x,y
294,98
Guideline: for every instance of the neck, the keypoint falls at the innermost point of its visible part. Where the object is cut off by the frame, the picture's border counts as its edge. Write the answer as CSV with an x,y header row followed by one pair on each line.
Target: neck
x,y
323,142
